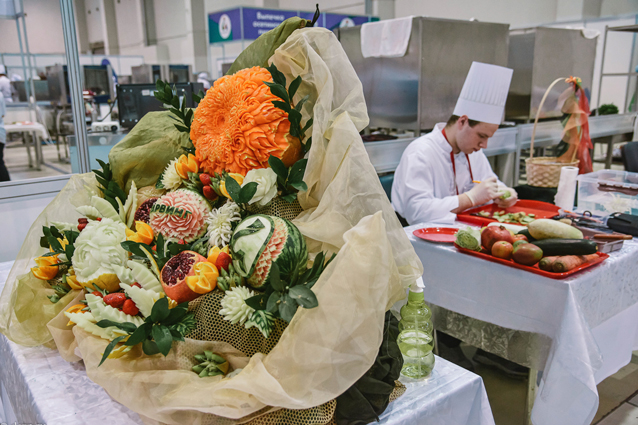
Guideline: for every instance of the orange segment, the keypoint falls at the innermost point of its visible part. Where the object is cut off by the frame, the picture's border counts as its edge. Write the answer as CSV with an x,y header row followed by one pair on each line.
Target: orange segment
x,y
186,164
205,279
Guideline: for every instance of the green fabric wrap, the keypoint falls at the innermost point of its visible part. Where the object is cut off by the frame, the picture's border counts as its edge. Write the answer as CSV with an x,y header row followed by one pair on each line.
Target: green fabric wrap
x,y
260,50
370,395
144,153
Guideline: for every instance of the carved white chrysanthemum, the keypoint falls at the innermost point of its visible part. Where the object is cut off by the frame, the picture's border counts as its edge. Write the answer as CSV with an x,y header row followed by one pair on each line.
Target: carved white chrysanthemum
x,y
170,179
234,307
220,224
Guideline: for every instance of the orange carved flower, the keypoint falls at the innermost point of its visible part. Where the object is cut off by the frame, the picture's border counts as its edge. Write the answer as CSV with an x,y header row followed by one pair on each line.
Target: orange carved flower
x,y
45,269
143,233
236,127
186,164
205,279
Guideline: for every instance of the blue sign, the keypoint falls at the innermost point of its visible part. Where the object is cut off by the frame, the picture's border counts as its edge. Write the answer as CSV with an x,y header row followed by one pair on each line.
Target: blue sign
x,y
248,23
224,26
260,21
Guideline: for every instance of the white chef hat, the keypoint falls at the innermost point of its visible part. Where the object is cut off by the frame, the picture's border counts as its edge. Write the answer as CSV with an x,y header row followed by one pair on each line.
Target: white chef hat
x,y
3,70
484,93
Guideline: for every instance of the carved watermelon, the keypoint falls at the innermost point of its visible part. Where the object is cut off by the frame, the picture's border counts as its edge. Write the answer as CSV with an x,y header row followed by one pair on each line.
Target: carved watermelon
x,y
261,240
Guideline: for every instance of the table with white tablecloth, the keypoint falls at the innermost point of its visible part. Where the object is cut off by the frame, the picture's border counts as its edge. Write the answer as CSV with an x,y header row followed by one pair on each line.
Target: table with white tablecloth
x,y
39,387
590,319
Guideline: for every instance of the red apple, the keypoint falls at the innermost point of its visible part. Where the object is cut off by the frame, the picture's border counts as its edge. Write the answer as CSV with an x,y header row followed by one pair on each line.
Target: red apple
x,y
502,249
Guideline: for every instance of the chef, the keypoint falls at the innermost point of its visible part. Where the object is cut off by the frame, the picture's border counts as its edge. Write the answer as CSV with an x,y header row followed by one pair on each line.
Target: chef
x,y
445,171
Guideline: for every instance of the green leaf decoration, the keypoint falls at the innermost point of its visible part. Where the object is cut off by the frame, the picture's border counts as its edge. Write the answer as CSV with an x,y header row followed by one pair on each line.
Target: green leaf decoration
x,y
281,105
233,189
110,347
125,326
287,308
275,280
159,245
300,186
278,90
262,320
277,76
176,314
247,192
297,171
257,302
278,167
294,85
140,334
290,198
160,310
175,248
272,305
163,338
303,296
307,146
186,325
136,248
150,347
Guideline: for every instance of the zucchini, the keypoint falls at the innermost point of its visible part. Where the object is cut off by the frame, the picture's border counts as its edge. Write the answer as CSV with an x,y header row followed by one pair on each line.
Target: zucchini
x,y
525,232
550,229
553,247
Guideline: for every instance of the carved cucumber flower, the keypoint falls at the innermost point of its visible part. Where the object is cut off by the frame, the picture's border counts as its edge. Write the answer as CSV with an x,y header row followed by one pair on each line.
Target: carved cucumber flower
x,y
234,307
220,224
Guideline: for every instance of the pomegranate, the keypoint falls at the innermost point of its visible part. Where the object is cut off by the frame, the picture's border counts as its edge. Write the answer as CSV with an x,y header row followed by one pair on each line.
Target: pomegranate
x,y
174,274
143,211
493,234
502,249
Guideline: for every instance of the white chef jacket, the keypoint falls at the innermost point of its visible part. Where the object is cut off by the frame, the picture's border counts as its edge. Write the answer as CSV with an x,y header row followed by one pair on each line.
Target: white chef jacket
x,y
5,89
423,188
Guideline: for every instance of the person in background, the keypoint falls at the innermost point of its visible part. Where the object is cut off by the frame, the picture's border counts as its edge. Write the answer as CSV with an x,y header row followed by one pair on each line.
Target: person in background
x,y
446,172
5,85
202,77
4,173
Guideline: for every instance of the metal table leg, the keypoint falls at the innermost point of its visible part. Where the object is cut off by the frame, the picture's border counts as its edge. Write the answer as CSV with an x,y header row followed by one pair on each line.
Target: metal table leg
x,y
610,152
37,145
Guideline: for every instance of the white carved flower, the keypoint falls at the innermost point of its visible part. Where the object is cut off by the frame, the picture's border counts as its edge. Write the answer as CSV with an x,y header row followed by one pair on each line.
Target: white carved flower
x,y
234,307
220,224
98,249
266,180
170,179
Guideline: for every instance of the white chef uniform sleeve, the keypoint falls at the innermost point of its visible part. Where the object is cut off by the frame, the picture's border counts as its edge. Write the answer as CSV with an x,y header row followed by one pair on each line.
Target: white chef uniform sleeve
x,y
415,192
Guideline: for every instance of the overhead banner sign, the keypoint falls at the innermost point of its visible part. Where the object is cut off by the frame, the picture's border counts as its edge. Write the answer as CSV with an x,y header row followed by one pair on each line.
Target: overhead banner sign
x,y
248,23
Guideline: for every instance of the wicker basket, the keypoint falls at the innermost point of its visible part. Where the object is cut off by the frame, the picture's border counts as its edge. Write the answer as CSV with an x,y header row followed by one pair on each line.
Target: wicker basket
x,y
545,171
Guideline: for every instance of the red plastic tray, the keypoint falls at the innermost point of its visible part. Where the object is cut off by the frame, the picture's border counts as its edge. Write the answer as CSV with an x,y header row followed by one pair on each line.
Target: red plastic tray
x,y
437,234
534,269
541,209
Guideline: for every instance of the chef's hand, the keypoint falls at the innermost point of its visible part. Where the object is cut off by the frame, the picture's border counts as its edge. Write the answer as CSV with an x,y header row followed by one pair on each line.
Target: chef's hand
x,y
484,192
508,201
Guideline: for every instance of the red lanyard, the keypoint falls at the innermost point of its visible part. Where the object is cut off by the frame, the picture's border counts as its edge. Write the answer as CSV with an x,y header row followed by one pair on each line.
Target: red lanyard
x,y
469,164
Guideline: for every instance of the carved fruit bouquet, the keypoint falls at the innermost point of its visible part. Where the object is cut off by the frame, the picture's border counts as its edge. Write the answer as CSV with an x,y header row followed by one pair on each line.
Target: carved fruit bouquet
x,y
142,257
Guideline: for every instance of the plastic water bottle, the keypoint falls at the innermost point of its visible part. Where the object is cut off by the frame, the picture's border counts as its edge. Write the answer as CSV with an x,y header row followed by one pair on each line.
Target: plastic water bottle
x,y
415,340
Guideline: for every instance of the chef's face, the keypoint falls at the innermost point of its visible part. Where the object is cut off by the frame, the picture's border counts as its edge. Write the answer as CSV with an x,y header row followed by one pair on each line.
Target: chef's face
x,y
472,139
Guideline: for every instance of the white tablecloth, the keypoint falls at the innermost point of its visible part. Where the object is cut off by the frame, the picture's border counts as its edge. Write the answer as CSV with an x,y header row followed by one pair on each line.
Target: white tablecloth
x,y
40,387
591,317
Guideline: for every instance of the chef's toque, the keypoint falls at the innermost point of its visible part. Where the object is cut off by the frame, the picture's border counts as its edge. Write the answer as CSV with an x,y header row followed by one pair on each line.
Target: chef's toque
x,y
484,93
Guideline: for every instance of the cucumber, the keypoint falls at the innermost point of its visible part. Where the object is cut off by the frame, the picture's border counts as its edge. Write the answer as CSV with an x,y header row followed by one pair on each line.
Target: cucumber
x,y
525,232
552,229
553,247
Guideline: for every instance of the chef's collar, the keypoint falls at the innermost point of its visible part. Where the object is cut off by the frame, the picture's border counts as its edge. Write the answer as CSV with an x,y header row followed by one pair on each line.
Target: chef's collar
x,y
440,138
